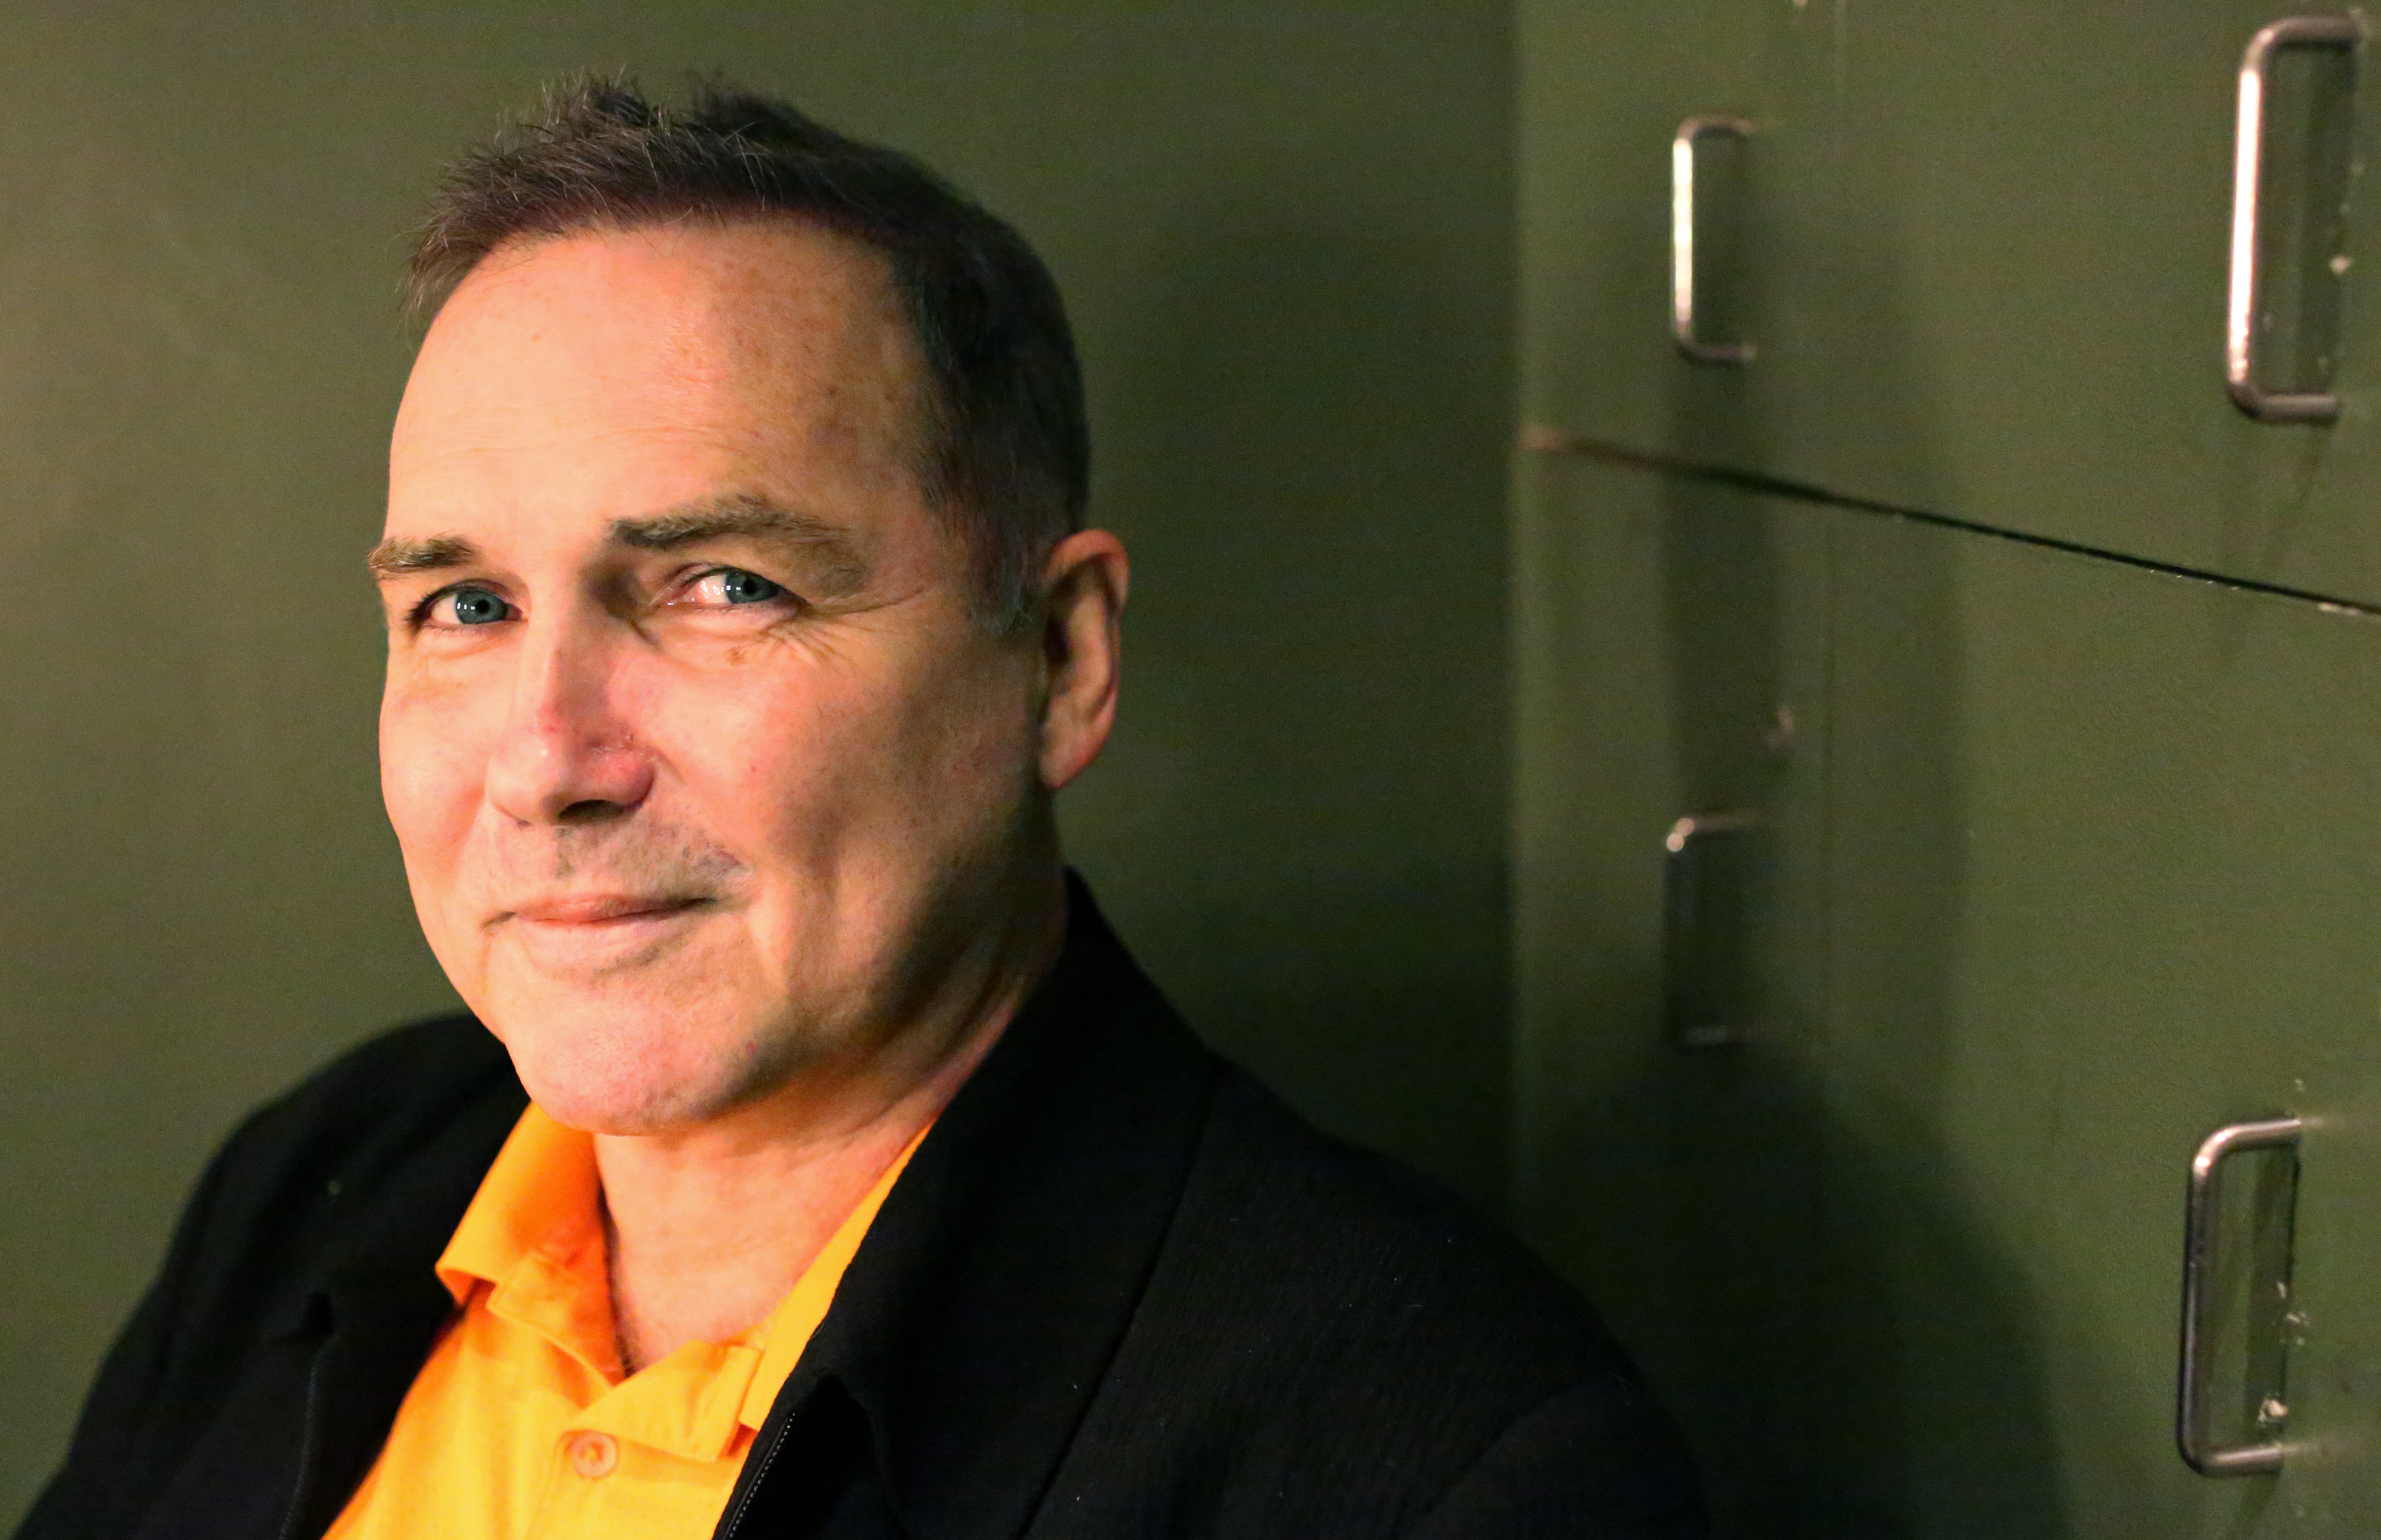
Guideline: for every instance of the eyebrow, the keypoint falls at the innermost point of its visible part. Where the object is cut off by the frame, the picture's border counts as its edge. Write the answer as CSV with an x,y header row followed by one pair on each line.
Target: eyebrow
x,y
395,556
837,567
826,547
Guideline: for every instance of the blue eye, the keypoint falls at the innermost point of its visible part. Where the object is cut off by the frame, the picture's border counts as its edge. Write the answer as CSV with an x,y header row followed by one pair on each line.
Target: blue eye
x,y
739,586
476,606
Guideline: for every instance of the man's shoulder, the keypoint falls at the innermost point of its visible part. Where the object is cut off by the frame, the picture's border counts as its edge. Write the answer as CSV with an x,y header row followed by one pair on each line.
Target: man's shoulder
x,y
1373,1349
1358,1251
383,1137
381,1100
420,1068
357,1173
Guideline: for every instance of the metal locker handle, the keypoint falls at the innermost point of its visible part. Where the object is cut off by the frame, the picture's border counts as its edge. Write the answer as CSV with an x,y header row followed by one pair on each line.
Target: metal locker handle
x,y
1682,239
1684,896
2248,167
2198,1323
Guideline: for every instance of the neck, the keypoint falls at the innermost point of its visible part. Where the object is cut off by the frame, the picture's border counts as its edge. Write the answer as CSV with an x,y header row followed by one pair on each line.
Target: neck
x,y
708,1227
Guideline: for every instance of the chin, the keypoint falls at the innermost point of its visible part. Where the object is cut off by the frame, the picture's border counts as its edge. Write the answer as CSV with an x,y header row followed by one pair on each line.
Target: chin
x,y
636,1072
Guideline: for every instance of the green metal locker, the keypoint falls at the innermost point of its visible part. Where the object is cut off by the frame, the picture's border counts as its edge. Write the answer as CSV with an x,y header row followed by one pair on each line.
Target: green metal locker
x,y
1604,92
1948,878
1984,259
2067,865
2105,875
2044,199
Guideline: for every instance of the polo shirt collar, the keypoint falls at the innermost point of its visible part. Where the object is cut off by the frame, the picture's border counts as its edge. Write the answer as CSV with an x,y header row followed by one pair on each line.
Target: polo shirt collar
x,y
533,1237
540,1197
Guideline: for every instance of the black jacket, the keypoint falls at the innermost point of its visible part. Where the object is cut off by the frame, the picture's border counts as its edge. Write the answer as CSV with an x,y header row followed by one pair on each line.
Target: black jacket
x,y
1119,1291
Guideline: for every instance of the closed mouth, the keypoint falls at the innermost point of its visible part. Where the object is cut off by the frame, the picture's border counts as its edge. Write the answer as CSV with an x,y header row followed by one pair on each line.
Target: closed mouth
x,y
601,908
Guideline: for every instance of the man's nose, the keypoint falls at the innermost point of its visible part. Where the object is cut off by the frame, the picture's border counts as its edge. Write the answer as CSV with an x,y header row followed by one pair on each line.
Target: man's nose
x,y
567,755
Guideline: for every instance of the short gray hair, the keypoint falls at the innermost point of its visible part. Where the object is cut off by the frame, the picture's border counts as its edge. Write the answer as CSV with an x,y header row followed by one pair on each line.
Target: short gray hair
x,y
1006,447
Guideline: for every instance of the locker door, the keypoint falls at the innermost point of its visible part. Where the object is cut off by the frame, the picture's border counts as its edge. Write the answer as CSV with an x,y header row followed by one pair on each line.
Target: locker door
x,y
2028,270
2105,869
1668,651
1604,90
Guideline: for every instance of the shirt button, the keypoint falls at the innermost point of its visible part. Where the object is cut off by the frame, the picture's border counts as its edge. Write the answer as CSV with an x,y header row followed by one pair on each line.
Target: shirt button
x,y
593,1455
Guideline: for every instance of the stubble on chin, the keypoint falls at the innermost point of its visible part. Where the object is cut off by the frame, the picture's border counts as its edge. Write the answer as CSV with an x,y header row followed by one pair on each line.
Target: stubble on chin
x,y
641,1054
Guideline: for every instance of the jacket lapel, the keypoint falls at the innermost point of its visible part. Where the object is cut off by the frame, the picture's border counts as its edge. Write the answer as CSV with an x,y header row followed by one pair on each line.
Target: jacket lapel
x,y
382,1305
983,1308
380,1329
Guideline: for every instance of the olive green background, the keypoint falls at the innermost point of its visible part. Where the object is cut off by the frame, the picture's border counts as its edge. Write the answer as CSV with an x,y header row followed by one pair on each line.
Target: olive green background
x,y
1286,231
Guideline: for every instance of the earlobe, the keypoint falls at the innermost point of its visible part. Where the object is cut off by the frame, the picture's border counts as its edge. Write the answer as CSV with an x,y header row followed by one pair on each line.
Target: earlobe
x,y
1084,584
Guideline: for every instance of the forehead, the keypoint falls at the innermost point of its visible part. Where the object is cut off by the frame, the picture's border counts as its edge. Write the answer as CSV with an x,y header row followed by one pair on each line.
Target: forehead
x,y
607,372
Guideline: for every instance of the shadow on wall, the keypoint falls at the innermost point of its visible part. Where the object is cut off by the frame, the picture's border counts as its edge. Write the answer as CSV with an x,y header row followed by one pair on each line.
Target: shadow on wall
x,y
1308,833
1927,1405
1779,1230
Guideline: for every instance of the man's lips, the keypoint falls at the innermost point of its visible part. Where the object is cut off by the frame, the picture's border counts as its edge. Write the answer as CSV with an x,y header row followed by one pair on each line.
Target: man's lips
x,y
600,909
584,935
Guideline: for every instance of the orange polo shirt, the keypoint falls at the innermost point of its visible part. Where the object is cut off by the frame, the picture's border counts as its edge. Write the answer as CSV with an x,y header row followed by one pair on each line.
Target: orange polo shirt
x,y
522,1425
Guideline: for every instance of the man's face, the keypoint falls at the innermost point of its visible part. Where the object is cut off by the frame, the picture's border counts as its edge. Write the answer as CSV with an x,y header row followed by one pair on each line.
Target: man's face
x,y
702,771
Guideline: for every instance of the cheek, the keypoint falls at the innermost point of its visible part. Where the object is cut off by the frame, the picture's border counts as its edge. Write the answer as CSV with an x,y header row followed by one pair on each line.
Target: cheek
x,y
966,752
431,778
827,769
772,766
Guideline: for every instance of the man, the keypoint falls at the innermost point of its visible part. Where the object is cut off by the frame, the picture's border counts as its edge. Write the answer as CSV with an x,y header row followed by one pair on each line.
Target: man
x,y
830,1169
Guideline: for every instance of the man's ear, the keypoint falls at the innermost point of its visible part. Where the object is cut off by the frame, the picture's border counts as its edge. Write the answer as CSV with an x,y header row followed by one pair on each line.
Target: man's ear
x,y
1083,588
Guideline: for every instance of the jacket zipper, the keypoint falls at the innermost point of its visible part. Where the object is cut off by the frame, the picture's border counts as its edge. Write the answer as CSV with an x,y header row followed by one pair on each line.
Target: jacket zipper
x,y
760,1475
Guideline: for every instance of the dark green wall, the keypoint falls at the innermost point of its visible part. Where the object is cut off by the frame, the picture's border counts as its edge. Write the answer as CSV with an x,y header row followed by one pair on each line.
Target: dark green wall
x,y
1286,231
